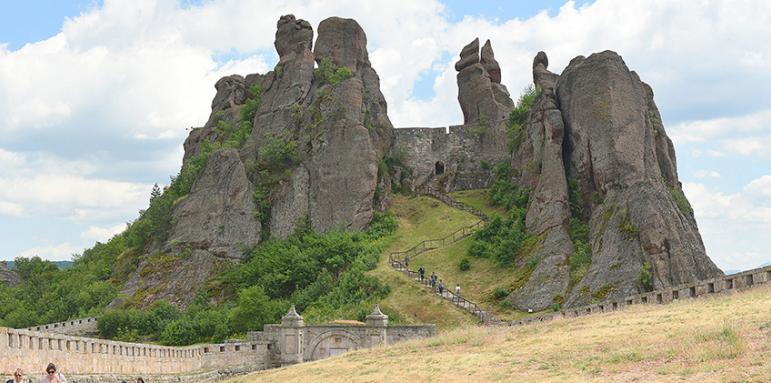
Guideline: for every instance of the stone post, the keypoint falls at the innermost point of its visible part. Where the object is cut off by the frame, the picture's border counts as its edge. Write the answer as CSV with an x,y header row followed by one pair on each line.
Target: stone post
x,y
377,328
292,325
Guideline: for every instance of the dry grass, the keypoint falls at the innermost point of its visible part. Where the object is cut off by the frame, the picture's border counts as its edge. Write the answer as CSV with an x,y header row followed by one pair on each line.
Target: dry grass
x,y
720,339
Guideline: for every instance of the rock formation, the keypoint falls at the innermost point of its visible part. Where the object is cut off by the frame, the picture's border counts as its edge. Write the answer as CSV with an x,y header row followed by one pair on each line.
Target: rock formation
x,y
463,158
312,155
7,276
596,126
302,145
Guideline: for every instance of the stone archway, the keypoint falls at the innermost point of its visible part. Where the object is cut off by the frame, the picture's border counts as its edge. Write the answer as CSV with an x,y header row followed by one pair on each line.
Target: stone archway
x,y
439,168
331,343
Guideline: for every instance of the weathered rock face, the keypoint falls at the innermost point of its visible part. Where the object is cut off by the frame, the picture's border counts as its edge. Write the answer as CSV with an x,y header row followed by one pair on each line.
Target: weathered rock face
x,y
342,129
462,158
539,162
7,276
597,125
337,129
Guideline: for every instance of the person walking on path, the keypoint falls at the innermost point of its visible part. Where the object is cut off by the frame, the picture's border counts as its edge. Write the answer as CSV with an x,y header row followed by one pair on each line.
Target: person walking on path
x,y
457,291
433,280
421,273
18,375
53,376
441,289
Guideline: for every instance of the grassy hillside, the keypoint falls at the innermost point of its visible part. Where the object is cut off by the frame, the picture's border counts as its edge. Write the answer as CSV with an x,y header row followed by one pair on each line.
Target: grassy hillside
x,y
719,339
479,199
479,282
420,218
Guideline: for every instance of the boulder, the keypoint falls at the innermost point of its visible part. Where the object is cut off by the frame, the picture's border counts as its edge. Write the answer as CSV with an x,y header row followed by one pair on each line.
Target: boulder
x,y
469,55
489,63
292,36
342,41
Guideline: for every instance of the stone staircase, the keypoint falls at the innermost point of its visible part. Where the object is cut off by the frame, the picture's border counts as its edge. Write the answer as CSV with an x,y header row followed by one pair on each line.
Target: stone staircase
x,y
400,260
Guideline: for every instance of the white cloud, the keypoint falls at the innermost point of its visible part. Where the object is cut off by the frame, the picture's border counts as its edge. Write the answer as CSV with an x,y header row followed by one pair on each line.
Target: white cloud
x,y
144,71
734,226
102,234
44,185
57,252
11,209
707,174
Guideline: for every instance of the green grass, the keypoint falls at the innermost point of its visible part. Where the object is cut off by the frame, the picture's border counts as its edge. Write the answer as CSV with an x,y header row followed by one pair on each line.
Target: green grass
x,y
420,218
479,199
478,284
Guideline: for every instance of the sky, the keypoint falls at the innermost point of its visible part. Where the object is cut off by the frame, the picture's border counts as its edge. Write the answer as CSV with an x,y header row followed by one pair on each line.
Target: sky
x,y
97,97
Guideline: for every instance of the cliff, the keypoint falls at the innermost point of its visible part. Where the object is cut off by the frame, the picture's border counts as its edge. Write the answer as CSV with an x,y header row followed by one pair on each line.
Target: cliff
x,y
594,152
292,147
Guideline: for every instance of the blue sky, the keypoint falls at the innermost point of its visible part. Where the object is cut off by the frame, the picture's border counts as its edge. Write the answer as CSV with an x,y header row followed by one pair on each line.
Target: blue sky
x,y
96,96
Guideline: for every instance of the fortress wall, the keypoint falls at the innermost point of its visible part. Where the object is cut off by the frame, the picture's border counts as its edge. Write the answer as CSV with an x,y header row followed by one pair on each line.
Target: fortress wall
x,y
32,351
726,284
399,333
75,327
460,149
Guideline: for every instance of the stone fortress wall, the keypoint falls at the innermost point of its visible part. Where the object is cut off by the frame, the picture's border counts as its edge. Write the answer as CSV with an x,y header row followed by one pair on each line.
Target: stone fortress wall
x,y
76,355
75,327
85,359
295,342
448,158
725,284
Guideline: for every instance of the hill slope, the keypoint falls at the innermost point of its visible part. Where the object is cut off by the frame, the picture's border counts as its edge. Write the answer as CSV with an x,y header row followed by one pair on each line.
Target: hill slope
x,y
725,338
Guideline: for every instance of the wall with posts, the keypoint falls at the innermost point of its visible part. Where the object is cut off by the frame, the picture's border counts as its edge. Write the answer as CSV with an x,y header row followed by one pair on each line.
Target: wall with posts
x,y
75,327
294,342
32,351
726,284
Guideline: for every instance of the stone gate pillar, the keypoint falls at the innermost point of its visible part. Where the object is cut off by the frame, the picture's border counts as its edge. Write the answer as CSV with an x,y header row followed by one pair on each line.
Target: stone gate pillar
x,y
292,329
377,328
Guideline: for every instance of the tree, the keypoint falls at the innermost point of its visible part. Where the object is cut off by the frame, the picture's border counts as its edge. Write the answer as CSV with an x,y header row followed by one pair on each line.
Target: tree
x,y
155,193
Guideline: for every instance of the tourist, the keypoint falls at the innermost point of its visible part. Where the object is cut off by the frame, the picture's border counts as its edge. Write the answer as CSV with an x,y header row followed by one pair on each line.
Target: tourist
x,y
433,280
421,273
18,375
457,291
140,380
406,262
53,376
441,288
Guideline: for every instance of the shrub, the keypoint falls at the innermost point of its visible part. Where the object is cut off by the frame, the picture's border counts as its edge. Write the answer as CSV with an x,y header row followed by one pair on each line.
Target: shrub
x,y
500,293
464,265
682,201
518,116
646,278
329,73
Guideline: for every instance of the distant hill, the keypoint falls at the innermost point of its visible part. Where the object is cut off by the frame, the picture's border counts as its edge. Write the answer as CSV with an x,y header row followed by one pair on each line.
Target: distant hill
x,y
62,265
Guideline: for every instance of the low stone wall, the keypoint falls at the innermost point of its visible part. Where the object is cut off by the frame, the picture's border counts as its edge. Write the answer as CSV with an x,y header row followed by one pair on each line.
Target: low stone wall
x,y
74,327
32,351
294,342
734,282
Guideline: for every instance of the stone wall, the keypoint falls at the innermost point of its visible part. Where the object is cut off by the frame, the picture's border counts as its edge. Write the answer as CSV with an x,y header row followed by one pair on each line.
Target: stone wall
x,y
85,359
32,351
75,327
726,284
447,158
294,342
